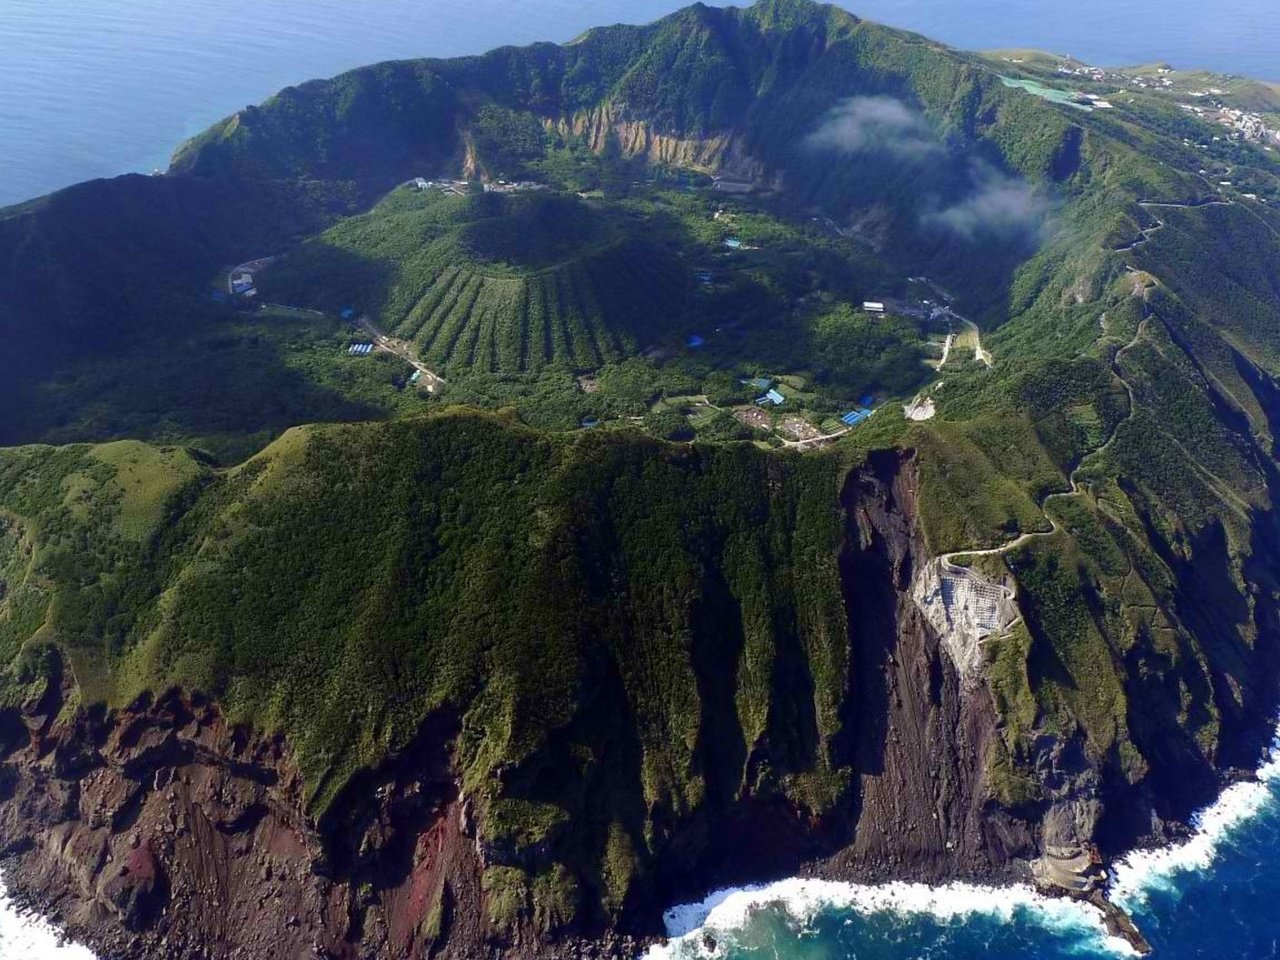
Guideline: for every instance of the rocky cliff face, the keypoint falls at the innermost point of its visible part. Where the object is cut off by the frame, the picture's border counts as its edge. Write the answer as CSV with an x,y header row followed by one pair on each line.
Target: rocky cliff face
x,y
607,129
163,830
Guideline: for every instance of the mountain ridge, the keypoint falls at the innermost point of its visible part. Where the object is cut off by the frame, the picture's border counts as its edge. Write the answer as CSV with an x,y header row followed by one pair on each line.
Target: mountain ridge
x,y
515,680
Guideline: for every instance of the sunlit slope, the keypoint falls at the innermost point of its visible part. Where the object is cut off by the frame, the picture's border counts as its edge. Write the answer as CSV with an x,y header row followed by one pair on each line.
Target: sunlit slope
x,y
496,283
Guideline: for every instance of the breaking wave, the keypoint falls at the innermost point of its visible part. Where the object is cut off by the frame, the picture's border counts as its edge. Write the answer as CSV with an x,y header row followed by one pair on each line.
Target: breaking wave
x,y
25,936
1143,871
714,926
702,930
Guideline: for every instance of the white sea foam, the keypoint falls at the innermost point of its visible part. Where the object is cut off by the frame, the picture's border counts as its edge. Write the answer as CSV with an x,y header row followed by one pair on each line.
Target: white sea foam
x,y
801,900
24,936
1142,871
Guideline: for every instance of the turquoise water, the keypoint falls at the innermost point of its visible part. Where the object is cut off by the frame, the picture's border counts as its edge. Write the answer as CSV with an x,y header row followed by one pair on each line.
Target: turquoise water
x,y
92,88
1212,898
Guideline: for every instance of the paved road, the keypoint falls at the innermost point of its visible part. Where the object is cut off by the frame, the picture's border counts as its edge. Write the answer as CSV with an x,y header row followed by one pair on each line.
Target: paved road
x,y
1075,490
979,354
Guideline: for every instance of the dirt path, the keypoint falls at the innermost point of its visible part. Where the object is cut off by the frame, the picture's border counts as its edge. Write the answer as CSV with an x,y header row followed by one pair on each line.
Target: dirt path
x,y
971,330
946,350
1207,476
404,351
1075,490
1146,233
812,440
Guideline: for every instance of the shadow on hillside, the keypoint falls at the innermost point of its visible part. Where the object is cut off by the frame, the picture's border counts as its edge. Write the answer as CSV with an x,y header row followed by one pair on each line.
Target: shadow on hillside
x,y
223,390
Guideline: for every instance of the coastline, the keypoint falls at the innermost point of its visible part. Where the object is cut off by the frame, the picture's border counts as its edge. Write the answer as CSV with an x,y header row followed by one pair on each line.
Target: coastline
x,y
699,931
25,934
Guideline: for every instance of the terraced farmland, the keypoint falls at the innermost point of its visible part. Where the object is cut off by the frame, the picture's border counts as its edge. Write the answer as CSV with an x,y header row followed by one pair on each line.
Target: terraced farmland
x,y
584,313
502,284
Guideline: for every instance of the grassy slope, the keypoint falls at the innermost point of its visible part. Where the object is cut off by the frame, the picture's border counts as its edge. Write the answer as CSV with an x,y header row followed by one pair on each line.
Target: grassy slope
x,y
349,581
1140,631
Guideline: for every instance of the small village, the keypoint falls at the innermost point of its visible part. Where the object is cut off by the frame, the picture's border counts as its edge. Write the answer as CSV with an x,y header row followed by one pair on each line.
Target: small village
x,y
1242,125
461,188
780,408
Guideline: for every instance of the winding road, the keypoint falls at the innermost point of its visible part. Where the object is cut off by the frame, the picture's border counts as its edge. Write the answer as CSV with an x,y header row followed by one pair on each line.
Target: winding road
x,y
1216,482
1054,527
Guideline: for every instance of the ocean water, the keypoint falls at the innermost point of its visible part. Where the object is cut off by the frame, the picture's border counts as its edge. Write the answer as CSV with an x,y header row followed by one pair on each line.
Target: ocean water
x,y
93,88
1211,898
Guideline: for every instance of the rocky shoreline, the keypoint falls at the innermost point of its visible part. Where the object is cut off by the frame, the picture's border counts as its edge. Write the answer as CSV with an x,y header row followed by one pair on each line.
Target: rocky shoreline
x,y
161,830
147,872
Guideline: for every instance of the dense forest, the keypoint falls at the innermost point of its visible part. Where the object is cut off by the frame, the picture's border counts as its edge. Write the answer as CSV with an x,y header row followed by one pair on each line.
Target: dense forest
x,y
498,449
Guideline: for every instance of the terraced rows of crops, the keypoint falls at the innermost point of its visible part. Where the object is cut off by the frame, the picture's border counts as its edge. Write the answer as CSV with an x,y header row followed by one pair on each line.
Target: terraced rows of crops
x,y
601,307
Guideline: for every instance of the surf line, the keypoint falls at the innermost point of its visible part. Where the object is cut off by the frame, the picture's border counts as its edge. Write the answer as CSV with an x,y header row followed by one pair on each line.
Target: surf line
x,y
1139,872
25,934
702,930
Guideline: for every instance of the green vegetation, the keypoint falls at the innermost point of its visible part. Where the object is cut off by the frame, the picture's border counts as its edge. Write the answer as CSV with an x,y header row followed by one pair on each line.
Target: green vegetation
x,y
350,581
630,604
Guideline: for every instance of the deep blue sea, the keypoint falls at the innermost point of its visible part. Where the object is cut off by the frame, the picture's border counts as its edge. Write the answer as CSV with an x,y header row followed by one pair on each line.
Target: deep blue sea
x,y
92,88
1216,897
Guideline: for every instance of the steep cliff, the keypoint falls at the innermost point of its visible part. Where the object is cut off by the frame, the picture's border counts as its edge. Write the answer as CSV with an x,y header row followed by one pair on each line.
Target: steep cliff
x,y
159,828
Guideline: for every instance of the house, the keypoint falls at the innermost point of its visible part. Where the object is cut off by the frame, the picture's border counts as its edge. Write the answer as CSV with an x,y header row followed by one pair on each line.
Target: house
x,y
872,306
420,183
773,397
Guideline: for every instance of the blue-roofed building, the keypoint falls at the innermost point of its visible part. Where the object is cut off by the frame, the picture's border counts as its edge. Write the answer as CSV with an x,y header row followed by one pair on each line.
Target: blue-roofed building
x,y
694,341
733,243
867,401
773,397
703,276
855,417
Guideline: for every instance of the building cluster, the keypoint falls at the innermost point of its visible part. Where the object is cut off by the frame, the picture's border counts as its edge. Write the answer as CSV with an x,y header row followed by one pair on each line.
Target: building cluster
x,y
241,281
242,285
520,186
1243,125
458,188
1161,81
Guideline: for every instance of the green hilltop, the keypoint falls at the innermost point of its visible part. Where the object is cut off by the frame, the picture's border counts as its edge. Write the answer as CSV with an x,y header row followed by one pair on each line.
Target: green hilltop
x,y
634,638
